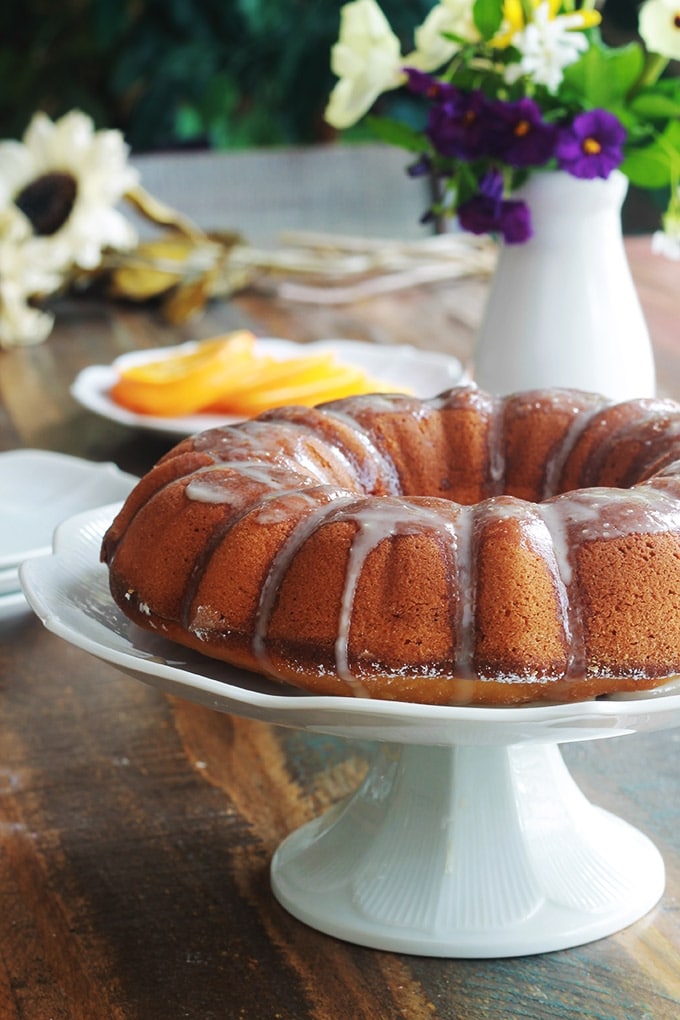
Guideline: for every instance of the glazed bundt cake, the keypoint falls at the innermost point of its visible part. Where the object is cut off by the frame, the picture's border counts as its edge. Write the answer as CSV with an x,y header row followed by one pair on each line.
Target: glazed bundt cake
x,y
465,549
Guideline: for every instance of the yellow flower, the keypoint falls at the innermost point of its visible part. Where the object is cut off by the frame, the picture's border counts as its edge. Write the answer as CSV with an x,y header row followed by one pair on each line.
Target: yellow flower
x,y
514,20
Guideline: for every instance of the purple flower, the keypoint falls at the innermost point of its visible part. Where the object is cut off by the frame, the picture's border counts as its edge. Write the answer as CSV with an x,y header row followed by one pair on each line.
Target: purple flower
x,y
421,168
592,145
459,126
422,84
488,212
521,136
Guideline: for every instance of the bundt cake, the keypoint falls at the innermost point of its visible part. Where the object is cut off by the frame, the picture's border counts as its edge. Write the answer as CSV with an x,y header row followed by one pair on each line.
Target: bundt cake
x,y
465,549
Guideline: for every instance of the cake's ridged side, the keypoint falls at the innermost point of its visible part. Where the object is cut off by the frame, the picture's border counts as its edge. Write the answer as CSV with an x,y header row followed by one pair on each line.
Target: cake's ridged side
x,y
601,455
304,454
173,466
465,548
610,550
538,432
374,473
153,563
225,603
632,631
521,622
373,607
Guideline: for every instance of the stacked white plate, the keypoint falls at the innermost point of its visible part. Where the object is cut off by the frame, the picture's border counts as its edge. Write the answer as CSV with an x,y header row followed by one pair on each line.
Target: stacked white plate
x,y
38,490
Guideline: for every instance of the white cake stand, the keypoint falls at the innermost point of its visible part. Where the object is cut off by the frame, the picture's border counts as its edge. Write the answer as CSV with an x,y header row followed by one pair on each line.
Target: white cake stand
x,y
468,837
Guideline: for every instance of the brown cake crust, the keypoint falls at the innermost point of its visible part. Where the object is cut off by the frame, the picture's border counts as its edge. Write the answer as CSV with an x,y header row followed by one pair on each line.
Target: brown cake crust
x,y
466,549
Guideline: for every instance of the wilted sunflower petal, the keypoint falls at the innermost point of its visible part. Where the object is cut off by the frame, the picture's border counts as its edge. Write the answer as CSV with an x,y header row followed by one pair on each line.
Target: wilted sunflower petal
x,y
186,300
141,283
158,265
160,213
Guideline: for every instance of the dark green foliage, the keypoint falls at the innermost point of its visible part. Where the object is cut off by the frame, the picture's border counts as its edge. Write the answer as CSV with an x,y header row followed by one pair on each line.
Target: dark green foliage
x,y
225,73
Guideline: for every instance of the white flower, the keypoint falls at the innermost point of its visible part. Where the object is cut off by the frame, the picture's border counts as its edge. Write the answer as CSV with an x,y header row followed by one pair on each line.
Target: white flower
x,y
22,258
58,190
21,323
547,44
66,179
367,60
666,245
25,272
432,49
659,26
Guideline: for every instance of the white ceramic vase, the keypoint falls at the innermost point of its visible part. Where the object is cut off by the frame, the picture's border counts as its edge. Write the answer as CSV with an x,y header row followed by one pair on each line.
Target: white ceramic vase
x,y
563,309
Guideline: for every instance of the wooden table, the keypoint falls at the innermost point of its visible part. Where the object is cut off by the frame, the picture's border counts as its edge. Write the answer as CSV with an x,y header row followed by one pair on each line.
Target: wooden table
x,y
136,829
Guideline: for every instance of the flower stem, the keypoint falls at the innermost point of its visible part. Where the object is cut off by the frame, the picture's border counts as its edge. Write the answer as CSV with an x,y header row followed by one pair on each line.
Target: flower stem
x,y
527,11
654,67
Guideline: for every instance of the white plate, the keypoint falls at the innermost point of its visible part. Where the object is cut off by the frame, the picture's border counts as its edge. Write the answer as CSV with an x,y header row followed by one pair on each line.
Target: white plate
x,y
39,489
69,591
425,373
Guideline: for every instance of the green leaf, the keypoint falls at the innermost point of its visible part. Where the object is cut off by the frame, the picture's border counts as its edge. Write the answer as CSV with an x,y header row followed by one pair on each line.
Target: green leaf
x,y
188,123
654,106
603,76
653,165
395,133
647,168
670,139
488,15
467,184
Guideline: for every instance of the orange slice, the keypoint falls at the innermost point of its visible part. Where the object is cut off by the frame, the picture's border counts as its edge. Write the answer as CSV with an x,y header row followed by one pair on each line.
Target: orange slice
x,y
226,375
343,382
186,383
276,375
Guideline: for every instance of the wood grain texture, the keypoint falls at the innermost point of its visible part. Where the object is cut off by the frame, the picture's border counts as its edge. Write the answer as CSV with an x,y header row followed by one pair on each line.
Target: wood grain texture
x,y
136,830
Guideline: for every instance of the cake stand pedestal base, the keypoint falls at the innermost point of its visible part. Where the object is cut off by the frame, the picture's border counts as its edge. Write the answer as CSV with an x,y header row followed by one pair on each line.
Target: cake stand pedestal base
x,y
468,852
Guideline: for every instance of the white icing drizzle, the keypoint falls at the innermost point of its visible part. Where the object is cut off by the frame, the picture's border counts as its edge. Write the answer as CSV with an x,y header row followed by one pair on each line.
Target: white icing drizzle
x,y
388,471
210,484
558,458
586,515
496,449
557,524
601,512
377,520
466,574
295,450
277,570
269,508
278,506
363,461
